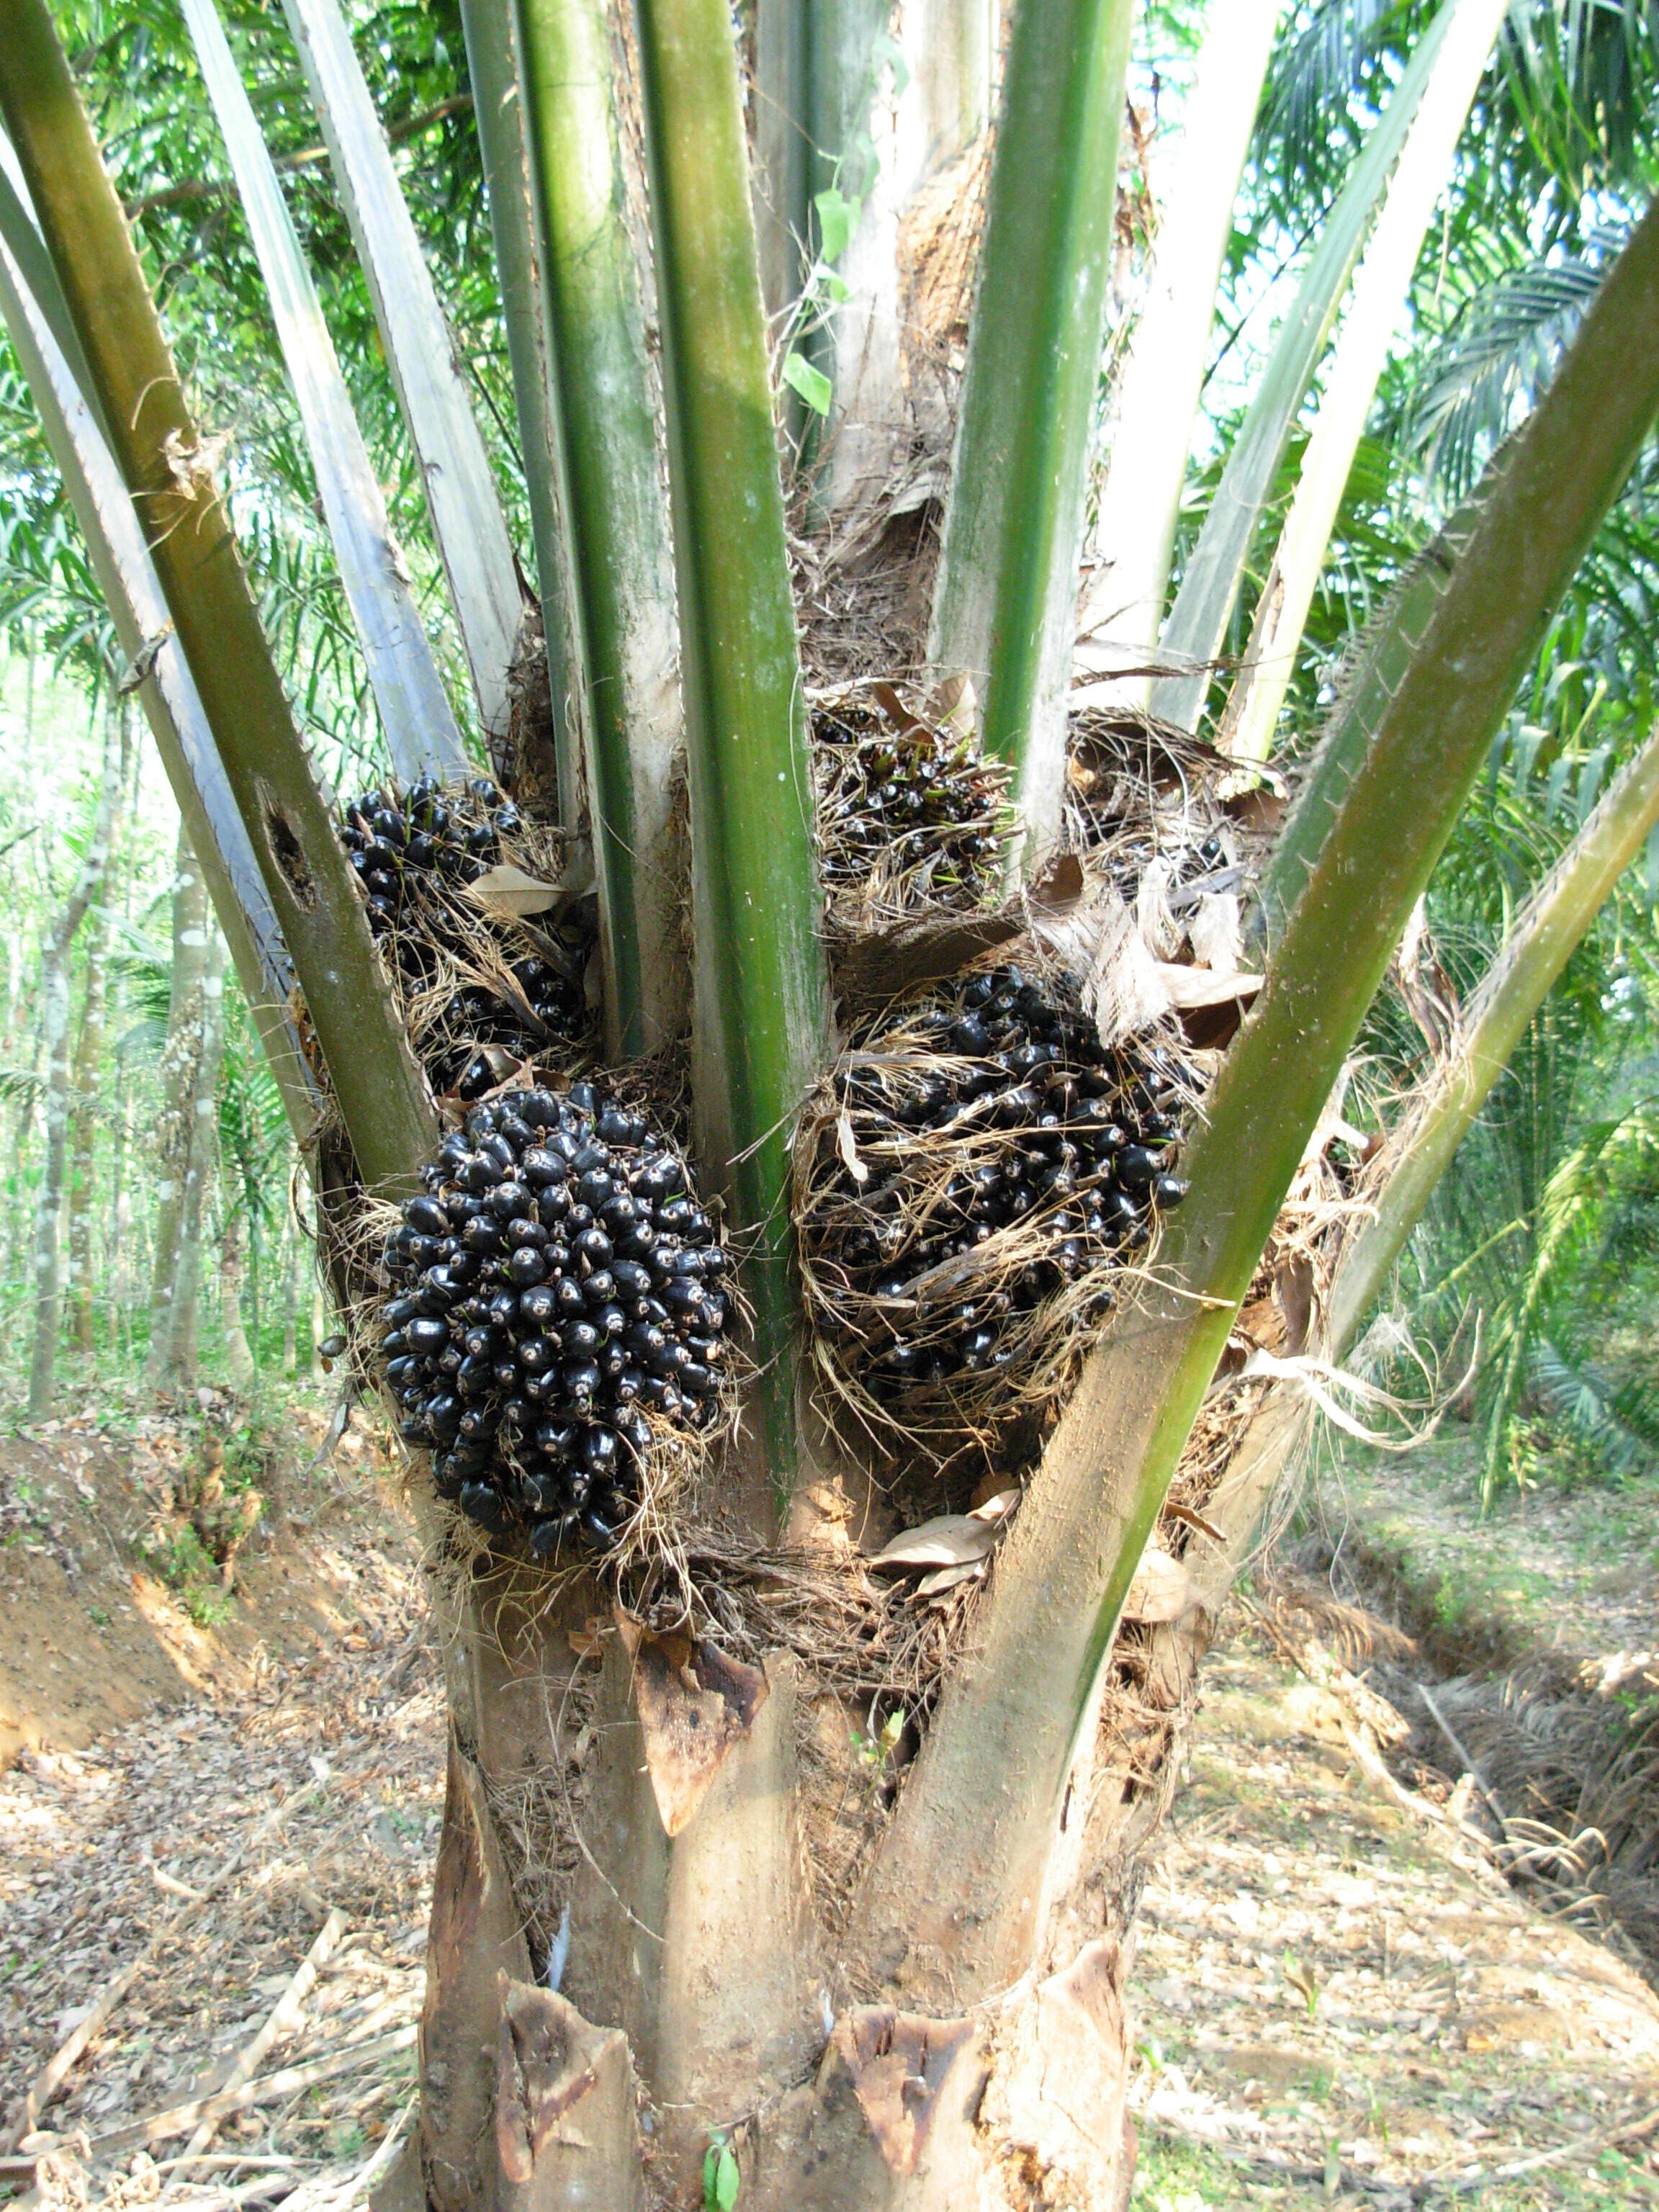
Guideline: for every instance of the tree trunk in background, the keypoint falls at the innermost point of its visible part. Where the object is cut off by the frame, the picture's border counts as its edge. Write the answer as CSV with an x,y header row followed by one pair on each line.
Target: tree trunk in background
x,y
239,1355
55,1004
180,1361
290,1252
17,1212
122,1271
177,1073
319,1330
88,1055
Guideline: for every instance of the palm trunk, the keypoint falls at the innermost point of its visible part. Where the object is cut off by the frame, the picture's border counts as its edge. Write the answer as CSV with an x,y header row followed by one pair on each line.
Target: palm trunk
x,y
55,1000
179,1054
179,1360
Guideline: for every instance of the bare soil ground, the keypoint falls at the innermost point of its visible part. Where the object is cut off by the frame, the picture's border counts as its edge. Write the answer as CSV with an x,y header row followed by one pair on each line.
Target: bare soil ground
x,y
1338,1998
286,1764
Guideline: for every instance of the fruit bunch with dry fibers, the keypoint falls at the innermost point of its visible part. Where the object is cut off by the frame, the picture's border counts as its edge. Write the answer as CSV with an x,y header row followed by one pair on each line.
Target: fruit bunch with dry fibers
x,y
557,1301
918,805
416,853
1009,1158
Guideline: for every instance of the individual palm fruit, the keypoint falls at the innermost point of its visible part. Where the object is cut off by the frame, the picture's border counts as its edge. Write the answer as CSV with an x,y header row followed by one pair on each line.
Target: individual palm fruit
x,y
987,1155
415,851
909,814
557,1294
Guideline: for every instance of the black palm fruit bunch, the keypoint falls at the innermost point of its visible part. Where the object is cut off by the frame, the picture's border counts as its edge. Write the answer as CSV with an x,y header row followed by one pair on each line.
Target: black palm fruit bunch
x,y
418,852
909,814
557,1308
979,1170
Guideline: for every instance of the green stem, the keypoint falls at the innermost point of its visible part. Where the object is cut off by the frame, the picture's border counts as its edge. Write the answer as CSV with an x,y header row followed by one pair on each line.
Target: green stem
x,y
1005,604
1546,931
463,500
492,61
762,1009
379,1088
973,1831
622,560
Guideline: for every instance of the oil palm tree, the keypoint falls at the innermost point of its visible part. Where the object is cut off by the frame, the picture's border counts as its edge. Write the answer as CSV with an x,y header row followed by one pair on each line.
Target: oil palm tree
x,y
904,2049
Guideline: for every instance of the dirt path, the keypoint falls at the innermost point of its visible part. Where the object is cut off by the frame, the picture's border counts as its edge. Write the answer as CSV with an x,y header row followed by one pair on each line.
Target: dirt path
x,y
1338,1999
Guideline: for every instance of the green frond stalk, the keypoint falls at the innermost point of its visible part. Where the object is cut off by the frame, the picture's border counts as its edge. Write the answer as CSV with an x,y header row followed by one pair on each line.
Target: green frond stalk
x,y
621,557
462,496
783,152
493,68
39,278
379,1090
1374,309
120,560
973,1830
1198,620
414,710
1004,607
1541,940
762,1012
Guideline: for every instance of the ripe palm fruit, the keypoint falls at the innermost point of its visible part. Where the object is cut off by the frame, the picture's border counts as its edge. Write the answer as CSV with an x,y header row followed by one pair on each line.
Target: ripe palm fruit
x,y
415,852
557,1292
907,813
1006,1157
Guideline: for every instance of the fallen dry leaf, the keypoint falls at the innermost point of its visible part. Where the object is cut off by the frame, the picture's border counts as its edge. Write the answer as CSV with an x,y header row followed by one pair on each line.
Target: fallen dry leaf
x,y
505,890
1162,1589
1203,987
948,1578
